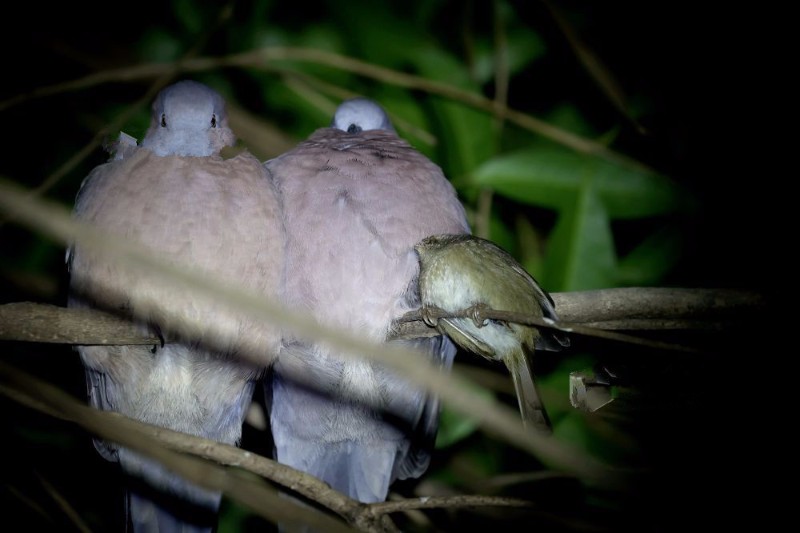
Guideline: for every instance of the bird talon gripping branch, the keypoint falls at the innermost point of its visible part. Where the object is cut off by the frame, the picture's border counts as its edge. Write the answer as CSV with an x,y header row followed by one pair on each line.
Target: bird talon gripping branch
x,y
476,313
429,315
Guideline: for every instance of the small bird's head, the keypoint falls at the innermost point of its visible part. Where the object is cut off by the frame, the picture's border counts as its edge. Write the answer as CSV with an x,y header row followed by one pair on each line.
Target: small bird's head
x,y
434,243
188,119
361,114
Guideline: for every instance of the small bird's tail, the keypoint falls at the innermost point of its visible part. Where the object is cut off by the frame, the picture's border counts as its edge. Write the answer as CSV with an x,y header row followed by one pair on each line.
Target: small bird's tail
x,y
530,402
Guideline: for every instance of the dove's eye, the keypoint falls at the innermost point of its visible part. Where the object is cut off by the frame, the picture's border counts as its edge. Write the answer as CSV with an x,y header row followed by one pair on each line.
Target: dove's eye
x,y
213,121
353,128
163,120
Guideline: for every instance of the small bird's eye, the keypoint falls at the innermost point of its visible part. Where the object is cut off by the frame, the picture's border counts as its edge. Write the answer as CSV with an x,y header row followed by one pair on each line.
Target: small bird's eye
x,y
353,128
213,121
163,120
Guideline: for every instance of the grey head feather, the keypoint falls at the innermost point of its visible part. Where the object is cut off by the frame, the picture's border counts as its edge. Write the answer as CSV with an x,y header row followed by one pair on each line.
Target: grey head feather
x,y
188,119
361,114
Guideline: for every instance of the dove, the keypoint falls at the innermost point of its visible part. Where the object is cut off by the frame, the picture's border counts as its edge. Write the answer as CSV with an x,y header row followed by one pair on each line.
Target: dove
x,y
356,198
465,272
176,196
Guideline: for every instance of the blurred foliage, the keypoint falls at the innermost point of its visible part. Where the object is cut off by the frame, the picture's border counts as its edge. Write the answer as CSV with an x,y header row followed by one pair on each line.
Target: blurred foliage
x,y
663,213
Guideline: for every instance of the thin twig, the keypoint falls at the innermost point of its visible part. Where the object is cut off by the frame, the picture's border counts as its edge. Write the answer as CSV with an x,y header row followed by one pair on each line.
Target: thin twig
x,y
146,439
448,502
64,505
263,58
528,320
116,124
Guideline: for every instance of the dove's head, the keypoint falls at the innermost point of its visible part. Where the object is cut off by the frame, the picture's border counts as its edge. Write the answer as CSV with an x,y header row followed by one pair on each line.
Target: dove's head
x,y
361,114
189,119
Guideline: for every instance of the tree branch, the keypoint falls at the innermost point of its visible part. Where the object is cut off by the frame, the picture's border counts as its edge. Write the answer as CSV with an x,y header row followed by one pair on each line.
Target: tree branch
x,y
162,444
33,322
36,394
594,313
265,58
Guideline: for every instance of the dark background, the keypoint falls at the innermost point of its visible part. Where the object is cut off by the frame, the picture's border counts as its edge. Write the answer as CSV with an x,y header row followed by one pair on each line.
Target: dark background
x,y
701,80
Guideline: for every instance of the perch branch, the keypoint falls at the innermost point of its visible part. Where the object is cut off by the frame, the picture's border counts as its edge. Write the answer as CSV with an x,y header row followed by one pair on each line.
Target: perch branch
x,y
591,313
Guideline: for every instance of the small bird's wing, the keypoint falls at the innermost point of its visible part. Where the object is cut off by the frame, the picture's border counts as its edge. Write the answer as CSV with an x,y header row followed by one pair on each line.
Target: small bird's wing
x,y
548,339
454,328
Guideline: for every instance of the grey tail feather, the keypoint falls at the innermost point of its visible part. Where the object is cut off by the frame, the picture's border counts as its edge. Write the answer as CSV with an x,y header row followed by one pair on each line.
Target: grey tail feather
x,y
425,427
166,514
359,470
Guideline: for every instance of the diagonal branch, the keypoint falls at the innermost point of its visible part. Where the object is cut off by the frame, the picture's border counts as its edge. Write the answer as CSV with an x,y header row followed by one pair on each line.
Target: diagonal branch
x,y
256,496
265,57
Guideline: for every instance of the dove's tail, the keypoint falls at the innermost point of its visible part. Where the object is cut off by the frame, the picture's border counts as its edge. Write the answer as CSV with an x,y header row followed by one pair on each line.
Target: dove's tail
x,y
530,402
146,515
159,501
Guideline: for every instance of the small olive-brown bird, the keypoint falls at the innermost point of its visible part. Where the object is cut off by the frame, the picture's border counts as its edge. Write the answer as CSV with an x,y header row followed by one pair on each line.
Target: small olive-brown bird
x,y
459,272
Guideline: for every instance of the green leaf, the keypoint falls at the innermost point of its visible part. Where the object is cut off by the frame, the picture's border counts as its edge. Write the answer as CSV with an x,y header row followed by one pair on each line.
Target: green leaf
x,y
232,516
648,263
379,34
453,426
302,116
501,235
531,255
406,111
524,47
190,15
160,46
568,117
550,176
467,138
581,246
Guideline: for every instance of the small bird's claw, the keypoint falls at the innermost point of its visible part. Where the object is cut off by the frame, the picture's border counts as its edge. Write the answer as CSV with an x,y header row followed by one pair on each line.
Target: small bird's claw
x,y
157,330
428,316
476,314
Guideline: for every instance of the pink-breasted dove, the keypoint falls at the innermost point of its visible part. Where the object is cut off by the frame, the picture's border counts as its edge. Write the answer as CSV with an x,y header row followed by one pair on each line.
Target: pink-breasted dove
x,y
178,197
356,199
